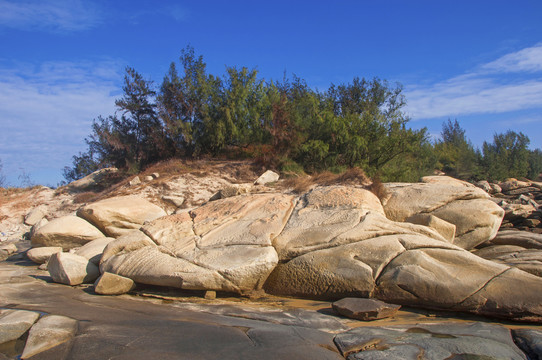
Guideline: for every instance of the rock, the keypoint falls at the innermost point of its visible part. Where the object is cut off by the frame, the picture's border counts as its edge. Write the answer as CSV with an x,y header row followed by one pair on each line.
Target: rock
x,y
495,189
530,341
477,219
67,232
210,295
175,200
130,241
119,215
224,245
525,239
92,181
321,215
529,260
148,178
512,184
429,341
113,284
444,228
35,215
92,251
365,309
135,181
71,269
267,177
49,331
6,250
484,185
155,175
14,323
41,255
229,191
522,191
514,212
37,225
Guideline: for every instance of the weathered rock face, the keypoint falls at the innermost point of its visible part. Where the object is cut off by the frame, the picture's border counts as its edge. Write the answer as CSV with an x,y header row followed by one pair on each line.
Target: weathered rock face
x,y
119,215
476,218
224,245
67,232
332,242
92,181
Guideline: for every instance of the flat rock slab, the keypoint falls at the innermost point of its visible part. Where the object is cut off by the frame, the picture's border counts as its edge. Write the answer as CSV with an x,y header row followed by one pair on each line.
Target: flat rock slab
x,y
49,331
429,341
14,323
365,309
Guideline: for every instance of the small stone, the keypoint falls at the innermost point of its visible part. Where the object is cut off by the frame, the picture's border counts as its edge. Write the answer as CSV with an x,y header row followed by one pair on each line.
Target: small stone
x,y
135,181
365,309
49,331
43,267
267,177
113,284
41,255
175,200
14,323
155,175
210,295
148,178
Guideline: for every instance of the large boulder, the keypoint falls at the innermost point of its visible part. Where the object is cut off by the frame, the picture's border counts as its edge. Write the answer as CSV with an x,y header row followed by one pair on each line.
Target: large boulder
x,y
119,215
476,217
71,269
67,232
223,245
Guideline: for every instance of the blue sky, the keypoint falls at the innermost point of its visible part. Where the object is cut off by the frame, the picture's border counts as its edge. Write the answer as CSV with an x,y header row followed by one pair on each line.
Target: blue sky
x,y
62,61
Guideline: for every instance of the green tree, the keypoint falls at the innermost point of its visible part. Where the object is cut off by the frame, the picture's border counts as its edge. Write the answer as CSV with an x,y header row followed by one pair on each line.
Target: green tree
x,y
535,164
456,155
507,156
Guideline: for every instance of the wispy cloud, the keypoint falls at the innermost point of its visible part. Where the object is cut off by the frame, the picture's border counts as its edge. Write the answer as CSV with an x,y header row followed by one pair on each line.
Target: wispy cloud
x,y
528,59
46,111
487,89
51,15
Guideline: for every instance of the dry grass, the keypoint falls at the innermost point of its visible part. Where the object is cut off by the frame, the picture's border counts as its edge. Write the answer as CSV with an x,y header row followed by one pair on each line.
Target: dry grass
x,y
85,197
378,188
353,176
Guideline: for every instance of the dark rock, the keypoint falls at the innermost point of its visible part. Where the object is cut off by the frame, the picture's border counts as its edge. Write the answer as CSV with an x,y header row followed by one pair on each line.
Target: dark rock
x,y
530,341
432,341
365,309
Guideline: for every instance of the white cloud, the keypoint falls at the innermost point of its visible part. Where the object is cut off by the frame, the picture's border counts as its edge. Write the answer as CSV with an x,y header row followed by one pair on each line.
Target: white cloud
x,y
489,89
46,111
53,15
528,59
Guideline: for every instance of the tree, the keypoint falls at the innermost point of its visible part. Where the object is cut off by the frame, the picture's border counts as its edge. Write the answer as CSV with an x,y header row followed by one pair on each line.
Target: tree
x,y
535,164
507,156
455,154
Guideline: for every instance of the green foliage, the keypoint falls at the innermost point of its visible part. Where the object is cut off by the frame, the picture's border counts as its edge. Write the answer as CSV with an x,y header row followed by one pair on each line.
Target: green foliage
x,y
535,164
456,156
507,156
